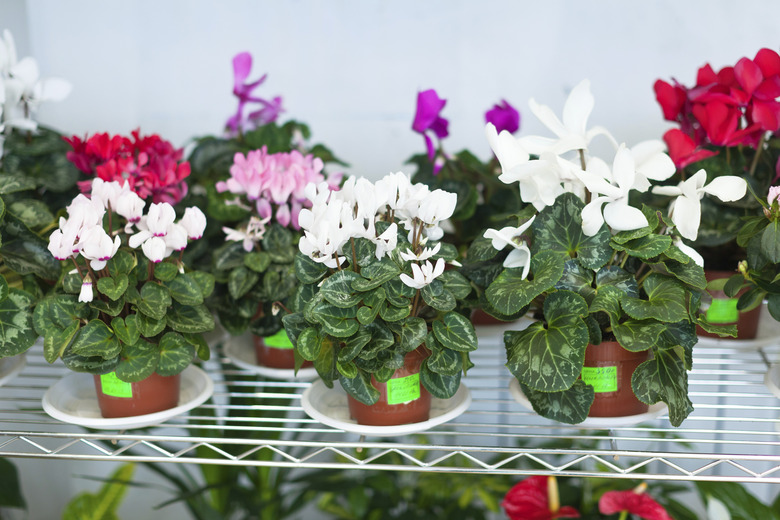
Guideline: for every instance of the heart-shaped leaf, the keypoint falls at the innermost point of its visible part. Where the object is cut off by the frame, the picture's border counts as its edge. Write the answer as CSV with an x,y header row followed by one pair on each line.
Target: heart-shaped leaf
x,y
665,300
176,354
550,359
190,319
570,406
154,300
126,329
96,339
138,362
510,293
456,332
337,289
113,286
185,289
664,378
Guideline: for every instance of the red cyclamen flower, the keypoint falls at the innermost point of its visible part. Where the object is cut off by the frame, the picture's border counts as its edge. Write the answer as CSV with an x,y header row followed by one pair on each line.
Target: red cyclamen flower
x,y
635,501
683,150
151,166
536,498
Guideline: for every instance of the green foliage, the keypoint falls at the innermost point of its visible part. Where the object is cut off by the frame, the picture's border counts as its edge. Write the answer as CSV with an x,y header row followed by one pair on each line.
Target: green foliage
x,y
361,320
143,318
104,504
634,287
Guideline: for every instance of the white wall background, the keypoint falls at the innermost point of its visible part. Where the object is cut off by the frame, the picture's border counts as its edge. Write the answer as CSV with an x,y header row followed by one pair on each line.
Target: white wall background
x,y
351,70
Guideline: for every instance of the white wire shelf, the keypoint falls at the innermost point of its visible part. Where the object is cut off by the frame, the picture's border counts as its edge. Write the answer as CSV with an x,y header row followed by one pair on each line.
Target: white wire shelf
x,y
733,434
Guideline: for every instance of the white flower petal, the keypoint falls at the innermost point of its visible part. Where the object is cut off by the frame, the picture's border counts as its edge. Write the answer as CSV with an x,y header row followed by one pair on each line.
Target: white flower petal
x,y
687,216
592,220
622,217
727,188
689,252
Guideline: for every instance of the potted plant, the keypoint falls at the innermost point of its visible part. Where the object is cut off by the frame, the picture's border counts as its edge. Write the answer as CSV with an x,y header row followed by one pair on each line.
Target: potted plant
x,y
375,308
254,269
726,124
35,177
599,274
125,308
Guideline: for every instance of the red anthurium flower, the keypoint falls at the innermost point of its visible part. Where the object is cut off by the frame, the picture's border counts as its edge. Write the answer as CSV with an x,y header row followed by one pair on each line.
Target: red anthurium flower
x,y
671,98
683,149
635,502
536,498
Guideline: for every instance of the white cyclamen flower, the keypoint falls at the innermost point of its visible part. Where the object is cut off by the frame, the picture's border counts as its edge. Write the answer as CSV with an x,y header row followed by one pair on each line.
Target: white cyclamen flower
x,y
423,274
253,233
618,214
571,131
387,241
62,243
130,206
194,222
98,247
155,223
84,213
685,210
425,254
511,236
85,295
155,249
108,193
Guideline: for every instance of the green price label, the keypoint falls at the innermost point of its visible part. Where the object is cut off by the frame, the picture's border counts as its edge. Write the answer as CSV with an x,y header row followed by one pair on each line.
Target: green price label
x,y
278,340
403,389
603,379
723,310
115,387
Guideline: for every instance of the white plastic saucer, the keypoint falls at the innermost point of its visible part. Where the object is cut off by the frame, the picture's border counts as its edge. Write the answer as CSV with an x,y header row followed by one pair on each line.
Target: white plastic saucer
x,y
242,353
596,423
329,406
10,367
73,399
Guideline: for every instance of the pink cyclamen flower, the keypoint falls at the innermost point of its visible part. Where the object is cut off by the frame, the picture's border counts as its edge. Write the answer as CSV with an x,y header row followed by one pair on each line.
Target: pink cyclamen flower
x,y
504,117
773,194
427,118
270,110
635,502
268,180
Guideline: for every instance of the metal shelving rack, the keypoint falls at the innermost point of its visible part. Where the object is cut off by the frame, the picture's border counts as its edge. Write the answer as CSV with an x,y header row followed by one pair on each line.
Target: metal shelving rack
x,y
734,433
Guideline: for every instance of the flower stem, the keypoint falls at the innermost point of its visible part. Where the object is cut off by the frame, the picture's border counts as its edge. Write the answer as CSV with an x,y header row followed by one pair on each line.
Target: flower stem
x,y
78,268
354,255
415,302
759,149
623,515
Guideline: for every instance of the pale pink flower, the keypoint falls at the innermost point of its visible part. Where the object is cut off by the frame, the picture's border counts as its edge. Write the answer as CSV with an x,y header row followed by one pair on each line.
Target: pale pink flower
x,y
774,193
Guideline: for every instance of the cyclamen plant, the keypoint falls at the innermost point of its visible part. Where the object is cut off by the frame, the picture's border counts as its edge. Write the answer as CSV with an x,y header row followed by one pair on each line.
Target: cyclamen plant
x,y
150,165
115,309
726,124
373,286
483,200
255,267
593,267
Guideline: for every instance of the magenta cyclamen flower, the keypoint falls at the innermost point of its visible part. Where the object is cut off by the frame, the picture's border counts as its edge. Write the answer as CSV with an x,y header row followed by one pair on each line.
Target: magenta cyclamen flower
x,y
429,106
504,117
274,183
269,111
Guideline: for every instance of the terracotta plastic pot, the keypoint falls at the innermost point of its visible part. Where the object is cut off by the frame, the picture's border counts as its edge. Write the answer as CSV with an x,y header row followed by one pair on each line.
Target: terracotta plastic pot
x,y
276,351
119,399
402,400
723,310
480,317
609,367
